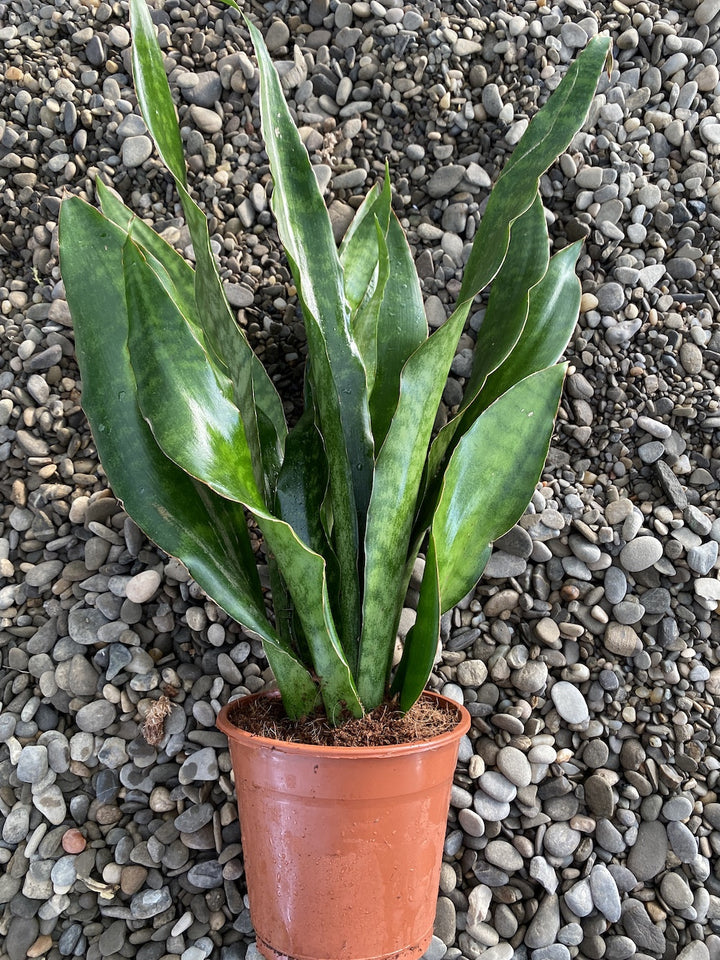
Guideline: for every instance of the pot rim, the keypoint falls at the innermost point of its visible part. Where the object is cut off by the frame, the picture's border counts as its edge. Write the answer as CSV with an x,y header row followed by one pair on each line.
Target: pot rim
x,y
331,752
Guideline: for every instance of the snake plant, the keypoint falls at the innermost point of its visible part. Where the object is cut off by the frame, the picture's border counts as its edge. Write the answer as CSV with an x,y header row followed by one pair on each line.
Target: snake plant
x,y
192,433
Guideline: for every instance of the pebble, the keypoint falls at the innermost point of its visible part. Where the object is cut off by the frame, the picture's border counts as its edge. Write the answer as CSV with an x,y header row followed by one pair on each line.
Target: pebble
x,y
648,855
569,702
640,554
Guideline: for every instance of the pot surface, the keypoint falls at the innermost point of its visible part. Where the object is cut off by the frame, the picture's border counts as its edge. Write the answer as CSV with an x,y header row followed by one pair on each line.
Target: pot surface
x,y
343,845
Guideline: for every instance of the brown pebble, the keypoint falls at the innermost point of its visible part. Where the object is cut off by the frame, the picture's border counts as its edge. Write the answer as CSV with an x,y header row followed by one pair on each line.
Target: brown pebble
x,y
73,841
569,592
41,946
132,878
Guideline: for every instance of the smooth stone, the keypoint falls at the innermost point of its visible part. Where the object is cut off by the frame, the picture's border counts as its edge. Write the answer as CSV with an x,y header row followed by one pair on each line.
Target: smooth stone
x,y
95,717
682,841
561,840
514,765
142,586
543,928
675,891
615,584
605,893
621,639
648,855
569,702
599,796
201,765
206,875
640,553
497,786
149,903
135,151
490,809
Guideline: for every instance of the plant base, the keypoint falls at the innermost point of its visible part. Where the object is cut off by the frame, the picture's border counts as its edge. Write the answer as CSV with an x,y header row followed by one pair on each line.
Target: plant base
x,y
343,845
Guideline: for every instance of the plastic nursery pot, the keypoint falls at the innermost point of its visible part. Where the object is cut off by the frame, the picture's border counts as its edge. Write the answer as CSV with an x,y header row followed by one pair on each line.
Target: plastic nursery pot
x,y
343,845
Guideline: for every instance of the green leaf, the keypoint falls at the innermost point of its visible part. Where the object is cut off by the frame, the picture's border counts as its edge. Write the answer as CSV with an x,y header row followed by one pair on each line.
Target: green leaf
x,y
359,253
552,315
228,345
422,639
185,519
153,91
548,135
176,274
398,472
365,321
401,328
525,264
187,404
302,483
491,477
336,370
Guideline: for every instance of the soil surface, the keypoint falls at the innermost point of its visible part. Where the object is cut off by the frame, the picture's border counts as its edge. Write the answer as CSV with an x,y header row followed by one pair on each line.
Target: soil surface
x,y
383,726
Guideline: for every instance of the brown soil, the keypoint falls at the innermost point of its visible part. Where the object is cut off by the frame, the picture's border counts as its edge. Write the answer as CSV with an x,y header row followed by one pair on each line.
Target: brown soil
x,y
383,726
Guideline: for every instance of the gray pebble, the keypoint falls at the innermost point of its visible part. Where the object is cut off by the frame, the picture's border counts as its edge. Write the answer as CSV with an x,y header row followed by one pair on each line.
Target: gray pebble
x,y
647,857
569,702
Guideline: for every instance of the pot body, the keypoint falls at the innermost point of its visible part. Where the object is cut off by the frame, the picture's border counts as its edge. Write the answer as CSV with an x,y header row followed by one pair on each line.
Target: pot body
x,y
343,845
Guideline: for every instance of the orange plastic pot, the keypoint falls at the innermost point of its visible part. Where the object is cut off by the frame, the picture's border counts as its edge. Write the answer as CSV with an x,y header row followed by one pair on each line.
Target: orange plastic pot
x,y
343,845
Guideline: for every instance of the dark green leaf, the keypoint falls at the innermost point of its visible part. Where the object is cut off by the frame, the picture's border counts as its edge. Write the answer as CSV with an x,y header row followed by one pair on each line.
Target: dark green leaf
x,y
491,477
422,639
401,328
184,518
188,406
553,313
547,136
336,370
227,344
526,262
398,472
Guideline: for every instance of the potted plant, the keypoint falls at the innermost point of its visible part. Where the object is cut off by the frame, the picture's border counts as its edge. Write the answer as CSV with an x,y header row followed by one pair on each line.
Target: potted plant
x,y
342,844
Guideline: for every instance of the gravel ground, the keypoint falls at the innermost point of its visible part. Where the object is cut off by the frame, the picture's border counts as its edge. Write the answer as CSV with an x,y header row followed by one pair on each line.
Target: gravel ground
x,y
585,819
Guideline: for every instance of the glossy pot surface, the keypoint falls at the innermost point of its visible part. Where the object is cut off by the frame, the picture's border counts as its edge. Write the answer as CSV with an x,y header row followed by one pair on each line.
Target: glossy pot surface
x,y
343,845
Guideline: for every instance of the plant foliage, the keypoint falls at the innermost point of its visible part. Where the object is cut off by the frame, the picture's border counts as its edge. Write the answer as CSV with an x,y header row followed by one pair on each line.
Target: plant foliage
x,y
192,434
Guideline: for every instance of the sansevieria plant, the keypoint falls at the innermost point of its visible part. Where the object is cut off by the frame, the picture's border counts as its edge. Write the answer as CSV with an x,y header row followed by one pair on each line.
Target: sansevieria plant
x,y
192,434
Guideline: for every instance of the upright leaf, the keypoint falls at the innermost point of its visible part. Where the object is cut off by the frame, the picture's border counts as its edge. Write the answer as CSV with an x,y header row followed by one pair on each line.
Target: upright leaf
x,y
491,477
547,136
359,249
552,315
398,472
195,423
184,518
422,639
401,328
525,264
229,347
336,370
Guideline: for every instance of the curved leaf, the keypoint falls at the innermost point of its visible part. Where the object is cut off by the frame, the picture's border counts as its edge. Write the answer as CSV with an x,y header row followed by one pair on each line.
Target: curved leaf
x,y
194,422
552,315
547,136
336,370
525,264
398,473
359,248
184,518
230,349
491,477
